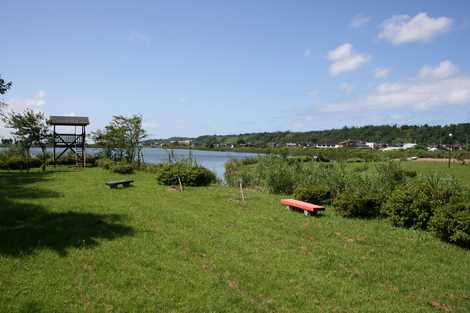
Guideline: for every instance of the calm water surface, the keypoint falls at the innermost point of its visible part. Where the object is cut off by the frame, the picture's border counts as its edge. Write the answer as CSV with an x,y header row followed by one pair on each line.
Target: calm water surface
x,y
213,160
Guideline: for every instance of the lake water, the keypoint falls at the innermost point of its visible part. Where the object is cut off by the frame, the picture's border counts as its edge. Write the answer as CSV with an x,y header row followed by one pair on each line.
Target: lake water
x,y
213,160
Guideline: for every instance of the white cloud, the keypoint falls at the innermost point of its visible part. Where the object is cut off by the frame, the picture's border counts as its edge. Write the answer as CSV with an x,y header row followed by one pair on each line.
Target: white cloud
x,y
381,72
401,29
307,53
443,70
345,59
359,20
346,87
35,103
416,94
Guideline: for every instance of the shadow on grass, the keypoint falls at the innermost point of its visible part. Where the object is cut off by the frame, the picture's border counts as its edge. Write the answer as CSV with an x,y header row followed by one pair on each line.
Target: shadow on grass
x,y
26,227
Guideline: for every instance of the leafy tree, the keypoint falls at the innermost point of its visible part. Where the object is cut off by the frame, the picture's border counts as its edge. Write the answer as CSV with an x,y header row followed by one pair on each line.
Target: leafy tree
x,y
30,129
122,139
4,86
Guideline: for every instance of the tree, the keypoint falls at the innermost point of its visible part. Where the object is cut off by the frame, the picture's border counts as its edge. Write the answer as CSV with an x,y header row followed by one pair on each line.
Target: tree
x,y
122,139
4,86
30,129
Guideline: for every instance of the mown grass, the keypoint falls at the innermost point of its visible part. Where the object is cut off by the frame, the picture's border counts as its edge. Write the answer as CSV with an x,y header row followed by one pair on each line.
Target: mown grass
x,y
69,244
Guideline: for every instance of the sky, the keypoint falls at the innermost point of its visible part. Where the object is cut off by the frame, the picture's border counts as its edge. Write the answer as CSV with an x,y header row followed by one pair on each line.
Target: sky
x,y
193,68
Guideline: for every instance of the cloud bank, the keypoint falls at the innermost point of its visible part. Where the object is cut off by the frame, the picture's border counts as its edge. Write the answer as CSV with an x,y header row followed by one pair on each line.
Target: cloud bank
x,y
439,86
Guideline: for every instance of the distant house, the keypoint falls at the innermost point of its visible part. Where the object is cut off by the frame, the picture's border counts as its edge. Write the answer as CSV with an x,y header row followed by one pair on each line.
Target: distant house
x,y
291,144
409,146
392,148
326,145
353,144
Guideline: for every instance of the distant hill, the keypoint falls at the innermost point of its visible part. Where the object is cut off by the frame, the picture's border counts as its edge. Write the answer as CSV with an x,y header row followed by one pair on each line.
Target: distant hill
x,y
388,134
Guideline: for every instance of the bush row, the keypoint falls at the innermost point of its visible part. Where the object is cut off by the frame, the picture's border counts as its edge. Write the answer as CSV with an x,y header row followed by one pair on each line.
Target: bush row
x,y
366,190
16,161
170,174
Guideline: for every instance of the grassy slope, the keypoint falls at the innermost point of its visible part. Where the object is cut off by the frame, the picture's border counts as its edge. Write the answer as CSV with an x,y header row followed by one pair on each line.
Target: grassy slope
x,y
68,244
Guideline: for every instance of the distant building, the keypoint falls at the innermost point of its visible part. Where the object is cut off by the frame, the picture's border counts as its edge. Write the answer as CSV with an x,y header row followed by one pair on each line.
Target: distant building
x,y
409,146
353,144
326,145
291,144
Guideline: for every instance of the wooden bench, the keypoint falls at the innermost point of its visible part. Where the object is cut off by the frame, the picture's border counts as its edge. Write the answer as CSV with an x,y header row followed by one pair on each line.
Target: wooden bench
x,y
116,183
308,208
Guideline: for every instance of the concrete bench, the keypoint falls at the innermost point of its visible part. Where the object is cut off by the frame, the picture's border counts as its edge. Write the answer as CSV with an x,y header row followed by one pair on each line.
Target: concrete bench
x,y
117,183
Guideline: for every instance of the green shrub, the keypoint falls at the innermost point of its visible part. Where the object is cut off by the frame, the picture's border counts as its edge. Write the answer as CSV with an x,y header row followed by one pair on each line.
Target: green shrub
x,y
313,194
278,175
238,170
190,175
249,161
355,160
122,168
391,174
452,223
151,168
14,162
414,203
105,163
18,162
351,203
410,206
362,196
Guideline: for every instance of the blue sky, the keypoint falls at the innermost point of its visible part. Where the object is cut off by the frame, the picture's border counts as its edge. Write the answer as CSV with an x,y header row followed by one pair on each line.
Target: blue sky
x,y
218,67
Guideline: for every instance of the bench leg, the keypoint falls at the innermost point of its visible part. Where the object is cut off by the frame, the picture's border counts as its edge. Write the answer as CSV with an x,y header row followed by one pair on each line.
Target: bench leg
x,y
306,213
289,208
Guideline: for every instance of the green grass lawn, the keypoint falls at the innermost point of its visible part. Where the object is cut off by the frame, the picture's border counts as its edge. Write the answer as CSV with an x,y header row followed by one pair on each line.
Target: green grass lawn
x,y
70,244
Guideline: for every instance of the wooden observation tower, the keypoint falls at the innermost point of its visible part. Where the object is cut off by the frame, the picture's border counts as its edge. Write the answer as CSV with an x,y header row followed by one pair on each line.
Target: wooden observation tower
x,y
74,142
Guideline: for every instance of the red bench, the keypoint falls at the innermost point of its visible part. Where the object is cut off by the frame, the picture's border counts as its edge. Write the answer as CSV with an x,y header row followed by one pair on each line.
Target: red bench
x,y
308,208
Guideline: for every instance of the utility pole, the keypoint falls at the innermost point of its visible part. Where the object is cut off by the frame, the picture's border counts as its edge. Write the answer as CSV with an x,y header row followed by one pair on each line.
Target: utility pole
x,y
450,147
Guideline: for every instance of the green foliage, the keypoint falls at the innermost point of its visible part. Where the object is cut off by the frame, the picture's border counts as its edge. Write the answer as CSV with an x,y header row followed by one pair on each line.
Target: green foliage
x,y
351,203
316,194
105,163
391,134
391,175
362,197
190,175
278,175
30,128
410,206
355,160
452,223
14,159
241,171
122,168
122,139
4,86
414,203
18,162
